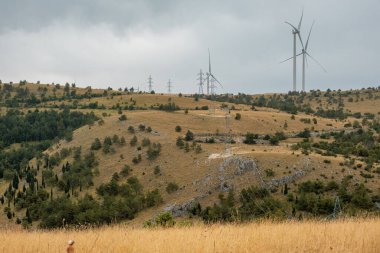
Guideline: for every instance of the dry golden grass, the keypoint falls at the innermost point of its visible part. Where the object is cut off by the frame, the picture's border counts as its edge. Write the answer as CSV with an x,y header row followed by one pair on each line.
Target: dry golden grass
x,y
361,235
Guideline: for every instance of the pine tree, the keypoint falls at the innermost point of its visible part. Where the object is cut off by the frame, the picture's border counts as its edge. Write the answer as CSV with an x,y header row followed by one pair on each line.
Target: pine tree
x,y
15,181
27,215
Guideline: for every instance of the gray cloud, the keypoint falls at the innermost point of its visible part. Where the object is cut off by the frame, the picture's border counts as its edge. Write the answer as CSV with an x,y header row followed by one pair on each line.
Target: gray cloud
x,y
119,43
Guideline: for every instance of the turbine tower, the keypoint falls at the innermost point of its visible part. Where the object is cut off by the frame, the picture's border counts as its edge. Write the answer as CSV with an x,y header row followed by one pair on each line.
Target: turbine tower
x,y
150,82
209,75
212,86
170,87
296,32
201,79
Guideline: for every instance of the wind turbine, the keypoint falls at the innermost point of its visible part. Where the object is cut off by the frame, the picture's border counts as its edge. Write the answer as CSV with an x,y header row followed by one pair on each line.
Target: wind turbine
x,y
305,54
209,74
296,32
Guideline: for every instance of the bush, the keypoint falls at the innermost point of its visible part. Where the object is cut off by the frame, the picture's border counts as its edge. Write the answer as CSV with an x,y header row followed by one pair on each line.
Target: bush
x,y
198,149
142,127
274,140
171,187
304,134
145,142
250,138
154,151
125,171
178,129
180,143
157,170
153,198
269,173
123,118
131,129
165,220
238,116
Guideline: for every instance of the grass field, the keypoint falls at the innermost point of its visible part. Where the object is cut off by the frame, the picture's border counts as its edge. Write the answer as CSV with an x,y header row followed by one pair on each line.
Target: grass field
x,y
360,235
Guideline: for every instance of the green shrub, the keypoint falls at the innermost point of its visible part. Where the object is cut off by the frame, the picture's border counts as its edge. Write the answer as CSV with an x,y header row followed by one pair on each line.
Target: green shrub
x,y
123,118
171,187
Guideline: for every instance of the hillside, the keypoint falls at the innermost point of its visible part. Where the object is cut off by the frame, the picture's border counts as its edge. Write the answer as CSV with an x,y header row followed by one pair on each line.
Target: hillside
x,y
143,163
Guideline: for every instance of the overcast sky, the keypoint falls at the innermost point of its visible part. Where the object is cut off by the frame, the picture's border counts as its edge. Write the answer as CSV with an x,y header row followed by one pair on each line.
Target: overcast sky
x,y
120,43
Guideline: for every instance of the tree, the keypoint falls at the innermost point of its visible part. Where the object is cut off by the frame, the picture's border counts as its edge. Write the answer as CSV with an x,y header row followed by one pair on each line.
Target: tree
x,y
238,116
145,142
180,143
115,139
15,181
360,197
153,198
154,151
122,141
189,136
96,145
133,141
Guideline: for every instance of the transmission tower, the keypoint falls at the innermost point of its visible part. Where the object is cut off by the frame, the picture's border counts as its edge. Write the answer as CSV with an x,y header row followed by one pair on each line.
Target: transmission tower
x,y
201,79
170,86
150,82
337,208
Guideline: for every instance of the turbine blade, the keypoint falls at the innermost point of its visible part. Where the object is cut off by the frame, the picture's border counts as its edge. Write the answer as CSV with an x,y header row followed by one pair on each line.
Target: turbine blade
x,y
299,36
295,29
299,24
320,65
290,58
216,80
308,37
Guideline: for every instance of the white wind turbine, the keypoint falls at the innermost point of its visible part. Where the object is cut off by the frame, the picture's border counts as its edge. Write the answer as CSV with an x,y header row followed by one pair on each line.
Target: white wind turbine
x,y
296,32
209,74
306,54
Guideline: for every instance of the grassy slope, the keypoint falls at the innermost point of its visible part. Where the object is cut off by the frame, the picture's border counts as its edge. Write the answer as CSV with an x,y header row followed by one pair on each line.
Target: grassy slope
x,y
187,169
